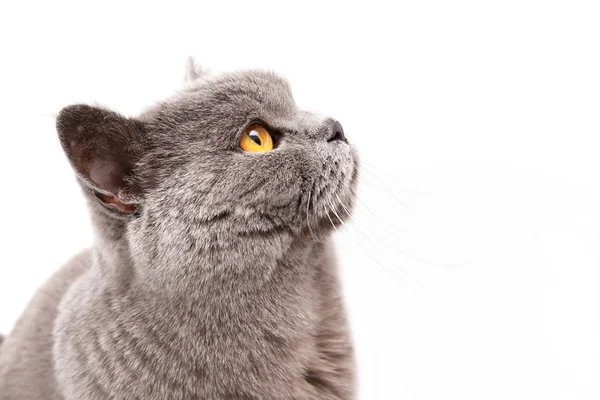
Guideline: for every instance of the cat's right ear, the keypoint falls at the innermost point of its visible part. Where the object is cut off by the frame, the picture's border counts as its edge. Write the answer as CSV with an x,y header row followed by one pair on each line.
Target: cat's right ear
x,y
192,71
103,148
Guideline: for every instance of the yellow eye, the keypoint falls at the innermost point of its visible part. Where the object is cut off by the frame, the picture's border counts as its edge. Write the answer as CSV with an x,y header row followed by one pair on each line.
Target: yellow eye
x,y
256,139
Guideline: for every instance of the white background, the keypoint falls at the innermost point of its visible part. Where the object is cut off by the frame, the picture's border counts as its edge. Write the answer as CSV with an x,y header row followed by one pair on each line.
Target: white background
x,y
471,270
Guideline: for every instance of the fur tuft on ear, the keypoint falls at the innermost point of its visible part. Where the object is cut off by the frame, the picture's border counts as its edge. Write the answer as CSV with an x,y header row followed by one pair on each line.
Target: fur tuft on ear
x,y
192,71
103,147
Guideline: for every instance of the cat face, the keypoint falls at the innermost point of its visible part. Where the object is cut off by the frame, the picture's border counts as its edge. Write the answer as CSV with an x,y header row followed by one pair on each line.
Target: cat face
x,y
180,182
309,168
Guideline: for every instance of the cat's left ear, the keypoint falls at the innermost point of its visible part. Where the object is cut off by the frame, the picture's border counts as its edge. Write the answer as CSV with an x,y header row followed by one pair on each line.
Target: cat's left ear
x,y
103,148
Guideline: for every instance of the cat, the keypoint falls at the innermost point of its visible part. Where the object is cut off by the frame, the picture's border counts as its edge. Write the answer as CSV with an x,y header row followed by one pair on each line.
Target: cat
x,y
212,274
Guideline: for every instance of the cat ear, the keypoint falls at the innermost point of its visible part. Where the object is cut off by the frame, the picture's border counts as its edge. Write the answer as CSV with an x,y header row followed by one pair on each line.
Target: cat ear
x,y
192,71
103,147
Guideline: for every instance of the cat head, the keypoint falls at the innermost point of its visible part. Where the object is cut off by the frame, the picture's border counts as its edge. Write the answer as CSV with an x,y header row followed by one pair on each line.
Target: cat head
x,y
225,162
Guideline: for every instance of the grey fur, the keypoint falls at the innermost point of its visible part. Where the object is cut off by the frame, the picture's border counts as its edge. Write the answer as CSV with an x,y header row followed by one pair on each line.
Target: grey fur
x,y
218,279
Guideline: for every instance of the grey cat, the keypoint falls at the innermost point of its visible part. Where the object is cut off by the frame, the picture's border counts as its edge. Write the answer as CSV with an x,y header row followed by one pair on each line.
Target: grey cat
x,y
212,275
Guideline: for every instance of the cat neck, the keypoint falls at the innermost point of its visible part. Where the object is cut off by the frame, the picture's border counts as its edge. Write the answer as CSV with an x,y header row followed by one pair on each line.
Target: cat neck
x,y
206,274
212,265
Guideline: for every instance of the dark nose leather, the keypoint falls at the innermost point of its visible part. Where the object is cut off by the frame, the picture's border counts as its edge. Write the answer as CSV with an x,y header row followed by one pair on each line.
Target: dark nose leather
x,y
337,133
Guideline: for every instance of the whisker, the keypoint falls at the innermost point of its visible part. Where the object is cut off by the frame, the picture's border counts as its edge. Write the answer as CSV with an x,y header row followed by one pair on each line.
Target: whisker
x,y
359,236
424,261
330,220
421,260
365,206
348,212
384,187
378,171
388,270
334,212
372,166
307,219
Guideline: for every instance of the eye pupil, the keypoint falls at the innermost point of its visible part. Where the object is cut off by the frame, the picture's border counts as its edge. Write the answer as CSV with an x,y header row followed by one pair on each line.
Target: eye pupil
x,y
254,136
256,139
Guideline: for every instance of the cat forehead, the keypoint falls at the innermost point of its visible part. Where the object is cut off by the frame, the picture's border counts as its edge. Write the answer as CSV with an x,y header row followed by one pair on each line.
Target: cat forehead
x,y
252,88
231,96
265,82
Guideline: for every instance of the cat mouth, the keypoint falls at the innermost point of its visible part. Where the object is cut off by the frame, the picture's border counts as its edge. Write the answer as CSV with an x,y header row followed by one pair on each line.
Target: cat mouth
x,y
341,211
332,206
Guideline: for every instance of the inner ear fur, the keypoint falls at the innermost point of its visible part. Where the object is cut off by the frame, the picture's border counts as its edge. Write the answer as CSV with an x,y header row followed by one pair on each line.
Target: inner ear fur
x,y
103,148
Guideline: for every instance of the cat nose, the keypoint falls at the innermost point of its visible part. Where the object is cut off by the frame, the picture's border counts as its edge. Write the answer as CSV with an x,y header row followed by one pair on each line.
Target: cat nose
x,y
337,133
